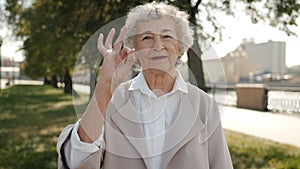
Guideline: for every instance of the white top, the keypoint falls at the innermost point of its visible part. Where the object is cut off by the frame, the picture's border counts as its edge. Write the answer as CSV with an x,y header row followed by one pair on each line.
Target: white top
x,y
156,113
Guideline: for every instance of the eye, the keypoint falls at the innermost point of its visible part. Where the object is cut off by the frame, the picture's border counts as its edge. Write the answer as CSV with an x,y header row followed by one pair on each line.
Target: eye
x,y
167,36
146,38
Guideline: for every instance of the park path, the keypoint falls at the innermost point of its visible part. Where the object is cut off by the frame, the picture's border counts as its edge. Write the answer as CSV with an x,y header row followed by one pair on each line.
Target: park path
x,y
281,128
17,81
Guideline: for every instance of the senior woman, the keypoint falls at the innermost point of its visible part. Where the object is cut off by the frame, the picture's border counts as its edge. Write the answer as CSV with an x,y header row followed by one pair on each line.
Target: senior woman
x,y
155,120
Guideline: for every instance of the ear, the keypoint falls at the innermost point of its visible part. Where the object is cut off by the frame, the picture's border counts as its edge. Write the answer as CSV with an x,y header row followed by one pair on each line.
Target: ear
x,y
181,49
178,61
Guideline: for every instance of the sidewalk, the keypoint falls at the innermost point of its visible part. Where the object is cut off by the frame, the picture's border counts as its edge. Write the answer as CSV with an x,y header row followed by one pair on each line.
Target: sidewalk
x,y
3,82
24,82
277,127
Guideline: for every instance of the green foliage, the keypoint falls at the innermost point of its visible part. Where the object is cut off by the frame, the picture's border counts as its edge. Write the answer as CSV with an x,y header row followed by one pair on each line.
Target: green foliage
x,y
280,14
55,31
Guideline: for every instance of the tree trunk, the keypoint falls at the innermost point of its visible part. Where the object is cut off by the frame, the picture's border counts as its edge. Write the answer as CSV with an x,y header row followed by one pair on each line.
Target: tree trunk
x,y
54,81
196,75
68,82
47,81
61,80
194,55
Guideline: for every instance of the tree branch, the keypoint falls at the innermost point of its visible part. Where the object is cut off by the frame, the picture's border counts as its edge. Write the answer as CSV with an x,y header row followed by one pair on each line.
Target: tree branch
x,y
197,4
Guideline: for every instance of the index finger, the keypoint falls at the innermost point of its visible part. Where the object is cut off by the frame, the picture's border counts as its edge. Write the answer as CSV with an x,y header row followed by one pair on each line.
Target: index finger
x,y
109,39
118,43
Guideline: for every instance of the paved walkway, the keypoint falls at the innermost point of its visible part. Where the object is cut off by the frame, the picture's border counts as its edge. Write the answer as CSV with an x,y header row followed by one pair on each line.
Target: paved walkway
x,y
2,84
17,81
277,127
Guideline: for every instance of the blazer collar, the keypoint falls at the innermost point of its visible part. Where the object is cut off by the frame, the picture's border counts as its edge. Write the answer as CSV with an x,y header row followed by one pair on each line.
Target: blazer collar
x,y
185,126
128,120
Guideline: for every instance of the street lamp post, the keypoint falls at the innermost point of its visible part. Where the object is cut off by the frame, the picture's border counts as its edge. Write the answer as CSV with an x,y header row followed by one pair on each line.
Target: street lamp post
x,y
0,62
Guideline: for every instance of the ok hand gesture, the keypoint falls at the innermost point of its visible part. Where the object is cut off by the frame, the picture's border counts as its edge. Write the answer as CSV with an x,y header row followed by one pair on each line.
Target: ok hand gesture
x,y
115,67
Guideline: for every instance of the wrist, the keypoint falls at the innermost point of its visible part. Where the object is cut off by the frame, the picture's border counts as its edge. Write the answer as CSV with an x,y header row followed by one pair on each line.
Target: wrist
x,y
104,84
83,136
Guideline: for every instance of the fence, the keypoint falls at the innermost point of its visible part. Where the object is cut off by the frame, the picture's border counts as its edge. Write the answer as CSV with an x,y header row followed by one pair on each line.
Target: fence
x,y
278,101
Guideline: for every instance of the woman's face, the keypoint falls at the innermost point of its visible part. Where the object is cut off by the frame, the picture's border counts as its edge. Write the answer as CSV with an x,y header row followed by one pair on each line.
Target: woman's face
x,y
157,45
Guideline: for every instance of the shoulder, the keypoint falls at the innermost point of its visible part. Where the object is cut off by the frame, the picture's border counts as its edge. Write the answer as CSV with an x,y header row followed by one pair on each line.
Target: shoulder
x,y
196,94
204,104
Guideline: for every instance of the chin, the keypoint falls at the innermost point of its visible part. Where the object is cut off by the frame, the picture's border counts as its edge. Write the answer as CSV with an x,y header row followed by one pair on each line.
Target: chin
x,y
163,69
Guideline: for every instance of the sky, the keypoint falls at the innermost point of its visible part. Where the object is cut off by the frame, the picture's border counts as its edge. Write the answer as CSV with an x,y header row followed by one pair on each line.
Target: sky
x,y
10,46
238,29
235,30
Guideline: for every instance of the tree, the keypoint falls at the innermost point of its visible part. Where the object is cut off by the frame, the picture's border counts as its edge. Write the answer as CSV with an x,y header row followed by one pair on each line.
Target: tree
x,y
55,31
53,34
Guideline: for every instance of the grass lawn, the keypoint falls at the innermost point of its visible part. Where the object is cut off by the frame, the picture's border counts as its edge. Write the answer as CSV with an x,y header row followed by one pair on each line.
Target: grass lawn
x,y
31,118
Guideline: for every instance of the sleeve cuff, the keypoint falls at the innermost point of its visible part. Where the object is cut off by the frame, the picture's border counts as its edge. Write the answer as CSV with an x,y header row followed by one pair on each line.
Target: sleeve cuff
x,y
83,147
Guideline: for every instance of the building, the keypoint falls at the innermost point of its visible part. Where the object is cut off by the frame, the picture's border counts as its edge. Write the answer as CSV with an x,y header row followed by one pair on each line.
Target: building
x,y
10,70
269,56
248,62
232,68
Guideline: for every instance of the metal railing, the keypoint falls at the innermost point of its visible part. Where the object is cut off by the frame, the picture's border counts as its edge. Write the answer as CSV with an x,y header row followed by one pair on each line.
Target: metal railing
x,y
278,101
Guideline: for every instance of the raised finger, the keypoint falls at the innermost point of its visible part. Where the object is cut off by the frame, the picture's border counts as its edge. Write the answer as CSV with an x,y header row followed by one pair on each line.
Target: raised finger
x,y
110,36
118,43
100,46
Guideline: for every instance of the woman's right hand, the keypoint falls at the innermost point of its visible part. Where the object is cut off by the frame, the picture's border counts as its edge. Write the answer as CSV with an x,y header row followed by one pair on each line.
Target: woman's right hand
x,y
116,66
117,61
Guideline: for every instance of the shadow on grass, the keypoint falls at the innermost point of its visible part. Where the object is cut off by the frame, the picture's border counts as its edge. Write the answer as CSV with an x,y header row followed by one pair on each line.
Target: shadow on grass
x,y
31,118
25,156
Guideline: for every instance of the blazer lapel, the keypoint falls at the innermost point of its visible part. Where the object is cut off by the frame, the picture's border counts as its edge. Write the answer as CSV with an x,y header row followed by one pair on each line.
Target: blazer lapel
x,y
129,122
185,126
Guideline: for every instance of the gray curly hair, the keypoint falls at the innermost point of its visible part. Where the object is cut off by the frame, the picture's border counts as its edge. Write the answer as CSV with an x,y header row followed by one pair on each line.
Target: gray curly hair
x,y
155,10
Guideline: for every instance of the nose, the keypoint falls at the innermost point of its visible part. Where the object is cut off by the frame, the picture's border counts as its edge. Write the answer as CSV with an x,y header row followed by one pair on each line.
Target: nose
x,y
158,44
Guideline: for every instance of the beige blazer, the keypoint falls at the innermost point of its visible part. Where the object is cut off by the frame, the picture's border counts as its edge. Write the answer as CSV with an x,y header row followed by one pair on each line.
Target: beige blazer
x,y
195,140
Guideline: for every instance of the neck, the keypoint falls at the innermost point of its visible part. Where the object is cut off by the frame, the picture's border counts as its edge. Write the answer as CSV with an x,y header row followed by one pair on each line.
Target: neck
x,y
160,82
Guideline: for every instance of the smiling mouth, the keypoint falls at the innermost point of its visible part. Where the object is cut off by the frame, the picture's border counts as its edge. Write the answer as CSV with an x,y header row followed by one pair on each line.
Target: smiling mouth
x,y
156,58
